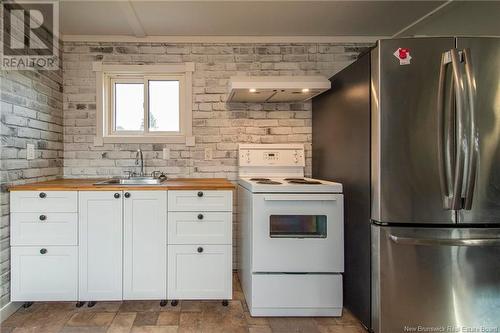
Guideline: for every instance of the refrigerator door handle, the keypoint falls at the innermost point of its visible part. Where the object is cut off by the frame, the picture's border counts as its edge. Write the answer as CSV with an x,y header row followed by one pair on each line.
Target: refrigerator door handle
x,y
461,145
472,131
445,138
446,242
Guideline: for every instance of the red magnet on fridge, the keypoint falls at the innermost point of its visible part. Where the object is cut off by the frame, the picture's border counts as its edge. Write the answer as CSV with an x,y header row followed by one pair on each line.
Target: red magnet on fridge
x,y
403,55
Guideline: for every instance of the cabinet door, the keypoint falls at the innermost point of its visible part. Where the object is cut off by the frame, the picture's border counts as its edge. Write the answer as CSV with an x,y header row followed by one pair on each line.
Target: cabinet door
x,y
44,273
199,272
43,229
145,245
199,228
43,201
100,235
208,201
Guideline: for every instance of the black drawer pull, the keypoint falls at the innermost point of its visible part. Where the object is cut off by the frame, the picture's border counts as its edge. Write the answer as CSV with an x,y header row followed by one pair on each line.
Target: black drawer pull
x,y
117,195
127,195
42,195
43,251
200,249
42,217
200,216
200,194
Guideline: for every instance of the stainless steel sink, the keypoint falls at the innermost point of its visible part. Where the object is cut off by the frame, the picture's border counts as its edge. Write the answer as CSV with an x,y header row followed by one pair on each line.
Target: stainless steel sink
x,y
132,181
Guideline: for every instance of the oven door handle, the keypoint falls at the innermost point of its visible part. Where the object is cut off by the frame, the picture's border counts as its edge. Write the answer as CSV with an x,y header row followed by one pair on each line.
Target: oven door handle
x,y
295,197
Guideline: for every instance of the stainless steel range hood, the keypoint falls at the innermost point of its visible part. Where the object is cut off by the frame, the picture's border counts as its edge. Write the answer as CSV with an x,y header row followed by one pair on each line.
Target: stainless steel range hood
x,y
276,89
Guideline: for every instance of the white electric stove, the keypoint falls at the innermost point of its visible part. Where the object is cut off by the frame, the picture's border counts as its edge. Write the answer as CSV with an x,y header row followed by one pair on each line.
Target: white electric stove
x,y
291,234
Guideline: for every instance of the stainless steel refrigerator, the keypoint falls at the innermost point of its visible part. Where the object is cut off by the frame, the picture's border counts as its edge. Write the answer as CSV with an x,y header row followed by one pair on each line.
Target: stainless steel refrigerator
x,y
412,130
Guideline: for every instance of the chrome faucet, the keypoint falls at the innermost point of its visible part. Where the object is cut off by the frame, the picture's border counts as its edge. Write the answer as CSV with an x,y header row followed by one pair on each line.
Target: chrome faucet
x,y
137,156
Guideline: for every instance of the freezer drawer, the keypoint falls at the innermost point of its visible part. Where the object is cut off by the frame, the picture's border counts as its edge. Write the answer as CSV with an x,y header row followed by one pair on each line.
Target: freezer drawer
x,y
435,277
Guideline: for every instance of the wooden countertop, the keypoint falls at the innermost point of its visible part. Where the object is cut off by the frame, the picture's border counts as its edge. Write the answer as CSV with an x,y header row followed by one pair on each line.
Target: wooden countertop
x,y
79,184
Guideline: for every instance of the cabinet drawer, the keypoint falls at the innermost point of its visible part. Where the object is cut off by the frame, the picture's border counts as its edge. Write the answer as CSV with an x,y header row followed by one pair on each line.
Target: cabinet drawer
x,y
199,272
189,201
297,291
43,201
44,229
199,227
44,273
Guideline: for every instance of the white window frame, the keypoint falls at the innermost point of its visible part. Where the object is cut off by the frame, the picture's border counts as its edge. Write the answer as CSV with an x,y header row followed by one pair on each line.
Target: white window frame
x,y
107,75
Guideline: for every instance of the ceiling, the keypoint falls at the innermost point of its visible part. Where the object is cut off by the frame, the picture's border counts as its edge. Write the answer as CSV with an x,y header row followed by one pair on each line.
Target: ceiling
x,y
146,18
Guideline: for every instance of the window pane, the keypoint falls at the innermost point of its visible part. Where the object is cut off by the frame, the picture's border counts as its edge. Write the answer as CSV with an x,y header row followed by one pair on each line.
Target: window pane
x,y
129,106
297,226
164,106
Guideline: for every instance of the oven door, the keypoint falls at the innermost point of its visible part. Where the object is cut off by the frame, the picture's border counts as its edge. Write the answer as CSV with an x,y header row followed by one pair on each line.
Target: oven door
x,y
298,233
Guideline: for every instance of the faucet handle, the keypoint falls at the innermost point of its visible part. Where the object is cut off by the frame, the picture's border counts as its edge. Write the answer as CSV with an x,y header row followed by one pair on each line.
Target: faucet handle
x,y
128,172
154,173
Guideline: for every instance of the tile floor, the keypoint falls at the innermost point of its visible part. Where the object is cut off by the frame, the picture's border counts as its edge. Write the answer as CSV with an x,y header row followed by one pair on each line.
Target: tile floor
x,y
149,317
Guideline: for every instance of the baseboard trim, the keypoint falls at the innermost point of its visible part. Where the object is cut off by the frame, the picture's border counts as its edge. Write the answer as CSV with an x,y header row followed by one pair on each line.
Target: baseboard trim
x,y
9,309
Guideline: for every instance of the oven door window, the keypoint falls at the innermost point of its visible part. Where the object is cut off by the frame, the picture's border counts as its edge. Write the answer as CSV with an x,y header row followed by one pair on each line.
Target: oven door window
x,y
297,226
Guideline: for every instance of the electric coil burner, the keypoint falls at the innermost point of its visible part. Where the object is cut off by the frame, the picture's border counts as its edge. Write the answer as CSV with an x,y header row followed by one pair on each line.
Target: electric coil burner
x,y
291,234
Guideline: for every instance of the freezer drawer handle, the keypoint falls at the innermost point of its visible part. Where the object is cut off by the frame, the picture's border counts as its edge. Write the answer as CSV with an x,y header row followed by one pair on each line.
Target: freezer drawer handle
x,y
293,197
446,242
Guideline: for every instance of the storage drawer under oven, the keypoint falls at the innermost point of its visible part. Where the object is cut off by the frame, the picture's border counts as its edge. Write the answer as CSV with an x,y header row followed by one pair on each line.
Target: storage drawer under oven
x,y
298,233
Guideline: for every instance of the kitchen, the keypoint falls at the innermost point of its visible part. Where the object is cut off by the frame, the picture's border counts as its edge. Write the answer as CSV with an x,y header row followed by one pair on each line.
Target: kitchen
x,y
65,123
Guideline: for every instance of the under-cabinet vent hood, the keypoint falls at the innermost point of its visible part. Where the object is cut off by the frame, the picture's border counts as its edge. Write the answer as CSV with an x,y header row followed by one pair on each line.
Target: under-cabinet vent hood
x,y
276,89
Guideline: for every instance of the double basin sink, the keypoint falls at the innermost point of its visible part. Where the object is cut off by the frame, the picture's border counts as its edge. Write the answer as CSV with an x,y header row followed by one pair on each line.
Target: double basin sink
x,y
132,181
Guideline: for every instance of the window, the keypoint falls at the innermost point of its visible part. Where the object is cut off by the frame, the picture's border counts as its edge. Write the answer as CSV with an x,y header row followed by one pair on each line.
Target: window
x,y
143,103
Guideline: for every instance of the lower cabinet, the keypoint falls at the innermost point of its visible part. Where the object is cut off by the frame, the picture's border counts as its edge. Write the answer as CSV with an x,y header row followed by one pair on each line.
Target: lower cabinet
x,y
113,245
100,241
44,273
199,272
145,245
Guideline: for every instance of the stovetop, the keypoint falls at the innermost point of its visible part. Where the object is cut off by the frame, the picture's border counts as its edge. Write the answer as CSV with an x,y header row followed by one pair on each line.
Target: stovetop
x,y
289,185
278,168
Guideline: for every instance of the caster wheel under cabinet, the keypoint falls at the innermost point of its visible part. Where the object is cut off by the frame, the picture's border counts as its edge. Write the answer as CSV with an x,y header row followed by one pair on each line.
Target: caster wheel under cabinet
x,y
69,245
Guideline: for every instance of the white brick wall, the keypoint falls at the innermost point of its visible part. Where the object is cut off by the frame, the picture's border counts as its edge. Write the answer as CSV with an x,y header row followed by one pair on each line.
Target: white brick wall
x,y
31,112
216,125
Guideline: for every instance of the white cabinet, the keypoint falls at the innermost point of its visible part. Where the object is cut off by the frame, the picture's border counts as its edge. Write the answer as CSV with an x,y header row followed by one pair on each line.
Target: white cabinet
x,y
113,245
100,238
145,245
200,245
208,201
43,201
44,273
199,272
194,227
44,228
44,253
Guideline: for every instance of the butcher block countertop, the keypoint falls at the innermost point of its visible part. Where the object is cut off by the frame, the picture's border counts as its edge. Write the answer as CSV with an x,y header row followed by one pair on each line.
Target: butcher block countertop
x,y
80,184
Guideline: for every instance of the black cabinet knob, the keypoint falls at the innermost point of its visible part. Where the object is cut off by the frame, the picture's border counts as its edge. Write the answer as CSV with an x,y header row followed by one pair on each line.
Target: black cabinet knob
x,y
43,251
117,195
127,195
42,195
200,216
200,194
200,249
42,217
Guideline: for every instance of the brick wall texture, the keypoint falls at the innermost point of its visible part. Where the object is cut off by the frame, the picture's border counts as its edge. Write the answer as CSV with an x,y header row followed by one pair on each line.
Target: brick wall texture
x,y
31,112
61,121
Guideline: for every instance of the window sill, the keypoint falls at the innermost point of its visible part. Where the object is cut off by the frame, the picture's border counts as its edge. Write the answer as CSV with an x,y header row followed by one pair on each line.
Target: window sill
x,y
141,139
